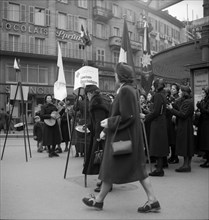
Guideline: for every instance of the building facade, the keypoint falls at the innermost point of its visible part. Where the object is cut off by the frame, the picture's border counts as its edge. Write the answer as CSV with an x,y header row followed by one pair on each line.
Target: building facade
x,y
30,31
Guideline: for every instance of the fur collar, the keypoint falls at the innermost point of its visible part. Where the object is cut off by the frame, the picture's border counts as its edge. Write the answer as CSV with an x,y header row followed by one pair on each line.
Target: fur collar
x,y
97,102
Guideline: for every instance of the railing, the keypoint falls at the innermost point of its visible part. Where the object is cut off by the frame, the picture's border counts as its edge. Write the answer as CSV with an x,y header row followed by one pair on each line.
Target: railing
x,y
102,12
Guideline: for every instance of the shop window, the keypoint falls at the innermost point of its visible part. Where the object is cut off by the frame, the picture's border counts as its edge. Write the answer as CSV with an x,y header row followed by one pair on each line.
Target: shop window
x,y
32,74
62,21
11,74
14,42
29,74
82,3
23,74
43,74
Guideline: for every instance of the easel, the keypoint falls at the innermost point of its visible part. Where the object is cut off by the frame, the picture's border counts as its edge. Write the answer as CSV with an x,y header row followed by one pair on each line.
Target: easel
x,y
85,62
24,119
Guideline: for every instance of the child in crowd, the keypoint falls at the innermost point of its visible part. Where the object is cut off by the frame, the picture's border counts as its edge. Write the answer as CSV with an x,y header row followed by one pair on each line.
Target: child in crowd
x,y
38,133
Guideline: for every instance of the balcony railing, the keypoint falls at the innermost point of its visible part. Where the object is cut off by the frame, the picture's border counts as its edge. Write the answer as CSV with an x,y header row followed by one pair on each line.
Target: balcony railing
x,y
46,50
102,14
115,41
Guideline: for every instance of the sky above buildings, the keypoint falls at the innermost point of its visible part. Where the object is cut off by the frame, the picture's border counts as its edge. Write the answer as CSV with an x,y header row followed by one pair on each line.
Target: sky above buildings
x,y
192,9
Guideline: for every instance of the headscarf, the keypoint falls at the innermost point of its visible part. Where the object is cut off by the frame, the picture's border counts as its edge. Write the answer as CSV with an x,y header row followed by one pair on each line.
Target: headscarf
x,y
125,73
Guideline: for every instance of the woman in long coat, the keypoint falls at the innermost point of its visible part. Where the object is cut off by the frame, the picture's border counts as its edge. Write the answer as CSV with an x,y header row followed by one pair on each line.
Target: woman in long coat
x,y
184,137
203,126
51,134
172,125
158,128
125,122
98,111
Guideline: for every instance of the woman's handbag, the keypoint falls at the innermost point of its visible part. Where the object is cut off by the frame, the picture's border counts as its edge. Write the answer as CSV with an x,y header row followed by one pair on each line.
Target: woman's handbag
x,y
98,154
121,147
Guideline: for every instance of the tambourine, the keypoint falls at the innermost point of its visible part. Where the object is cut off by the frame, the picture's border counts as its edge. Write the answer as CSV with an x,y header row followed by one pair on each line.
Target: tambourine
x,y
19,126
79,128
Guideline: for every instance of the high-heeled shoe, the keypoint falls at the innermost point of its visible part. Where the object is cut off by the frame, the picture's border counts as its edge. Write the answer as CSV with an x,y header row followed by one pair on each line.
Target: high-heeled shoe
x,y
92,203
149,207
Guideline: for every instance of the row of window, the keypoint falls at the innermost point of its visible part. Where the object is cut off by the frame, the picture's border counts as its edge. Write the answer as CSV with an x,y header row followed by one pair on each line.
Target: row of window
x,y
40,16
18,43
165,29
36,74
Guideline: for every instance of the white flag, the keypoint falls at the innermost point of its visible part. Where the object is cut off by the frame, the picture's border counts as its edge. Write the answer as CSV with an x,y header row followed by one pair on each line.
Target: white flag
x,y
60,89
16,65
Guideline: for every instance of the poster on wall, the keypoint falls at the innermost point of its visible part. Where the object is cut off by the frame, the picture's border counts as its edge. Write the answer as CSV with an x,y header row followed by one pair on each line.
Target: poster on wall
x,y
201,78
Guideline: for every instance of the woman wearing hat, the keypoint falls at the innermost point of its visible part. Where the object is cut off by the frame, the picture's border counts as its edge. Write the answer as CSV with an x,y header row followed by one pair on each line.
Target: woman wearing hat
x,y
124,124
158,138
184,111
98,110
51,135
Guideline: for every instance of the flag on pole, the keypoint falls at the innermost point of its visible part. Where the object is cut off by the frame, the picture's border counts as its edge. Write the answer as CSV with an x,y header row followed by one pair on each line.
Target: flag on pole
x,y
85,37
16,66
60,89
125,55
146,62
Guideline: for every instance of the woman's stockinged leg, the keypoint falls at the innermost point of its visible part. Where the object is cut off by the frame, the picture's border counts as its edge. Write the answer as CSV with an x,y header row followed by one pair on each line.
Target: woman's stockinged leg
x,y
148,189
105,188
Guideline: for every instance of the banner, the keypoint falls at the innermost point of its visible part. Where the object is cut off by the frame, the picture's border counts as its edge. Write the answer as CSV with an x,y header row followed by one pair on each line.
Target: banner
x,y
60,89
147,75
86,75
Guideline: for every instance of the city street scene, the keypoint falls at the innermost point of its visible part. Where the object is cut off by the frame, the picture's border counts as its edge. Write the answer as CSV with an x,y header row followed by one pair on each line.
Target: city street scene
x,y
104,109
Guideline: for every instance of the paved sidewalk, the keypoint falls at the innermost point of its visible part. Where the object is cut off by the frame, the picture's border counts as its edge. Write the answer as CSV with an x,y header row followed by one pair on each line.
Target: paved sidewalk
x,y
37,189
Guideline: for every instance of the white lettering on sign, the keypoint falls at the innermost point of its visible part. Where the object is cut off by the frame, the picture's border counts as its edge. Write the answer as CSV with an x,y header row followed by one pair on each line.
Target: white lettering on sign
x,y
69,36
32,29
86,75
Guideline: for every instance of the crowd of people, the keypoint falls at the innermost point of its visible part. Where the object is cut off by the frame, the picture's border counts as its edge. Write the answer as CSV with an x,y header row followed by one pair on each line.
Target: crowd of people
x,y
174,128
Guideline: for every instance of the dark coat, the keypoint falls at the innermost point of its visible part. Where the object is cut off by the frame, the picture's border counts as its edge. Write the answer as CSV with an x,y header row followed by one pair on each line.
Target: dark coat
x,y
171,125
184,136
51,135
38,129
158,128
130,167
64,126
98,110
203,126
